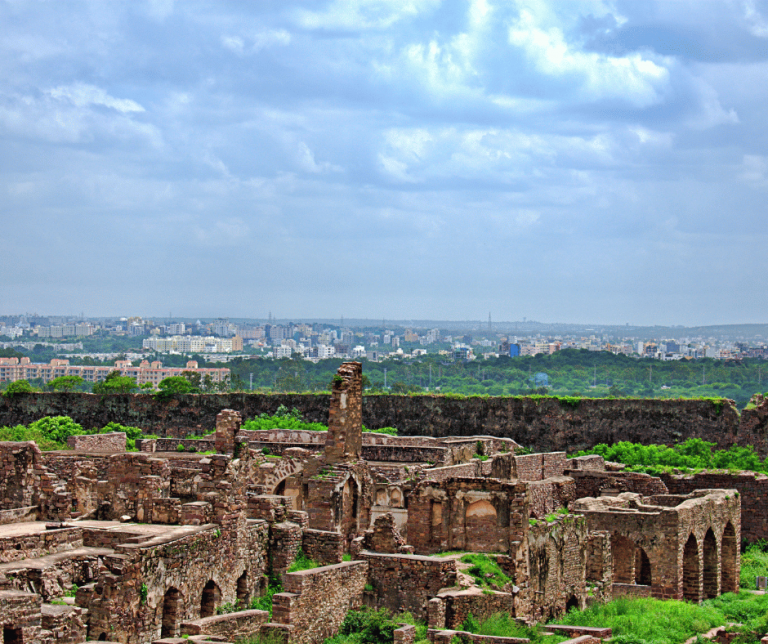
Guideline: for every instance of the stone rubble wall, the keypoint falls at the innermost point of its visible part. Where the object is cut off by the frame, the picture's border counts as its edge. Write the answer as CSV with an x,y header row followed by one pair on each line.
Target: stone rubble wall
x,y
232,626
22,611
315,602
752,486
594,483
47,542
406,582
459,604
557,554
540,424
62,625
323,547
18,515
551,494
99,443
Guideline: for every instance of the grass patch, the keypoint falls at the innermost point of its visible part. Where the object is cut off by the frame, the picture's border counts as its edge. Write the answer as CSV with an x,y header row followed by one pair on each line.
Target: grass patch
x,y
485,571
652,620
502,625
754,563
302,562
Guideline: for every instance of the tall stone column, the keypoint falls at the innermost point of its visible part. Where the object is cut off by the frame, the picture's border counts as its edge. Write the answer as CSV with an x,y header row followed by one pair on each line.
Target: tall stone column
x,y
228,424
345,418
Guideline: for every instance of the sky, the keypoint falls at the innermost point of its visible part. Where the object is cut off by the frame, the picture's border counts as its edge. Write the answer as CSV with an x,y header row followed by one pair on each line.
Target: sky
x,y
582,162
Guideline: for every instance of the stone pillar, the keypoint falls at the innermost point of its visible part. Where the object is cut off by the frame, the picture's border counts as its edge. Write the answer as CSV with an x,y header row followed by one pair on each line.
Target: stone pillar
x,y
228,424
345,418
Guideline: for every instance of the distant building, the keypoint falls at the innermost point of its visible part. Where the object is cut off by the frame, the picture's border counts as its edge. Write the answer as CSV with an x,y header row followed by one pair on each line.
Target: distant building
x,y
12,369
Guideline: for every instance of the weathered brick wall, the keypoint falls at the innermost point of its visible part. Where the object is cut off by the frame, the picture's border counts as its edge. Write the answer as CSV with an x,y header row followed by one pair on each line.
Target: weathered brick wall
x,y
18,515
406,582
752,487
323,547
550,494
600,565
459,604
181,582
345,415
21,614
104,443
63,625
406,454
232,626
544,424
594,483
171,445
465,470
557,553
18,547
315,602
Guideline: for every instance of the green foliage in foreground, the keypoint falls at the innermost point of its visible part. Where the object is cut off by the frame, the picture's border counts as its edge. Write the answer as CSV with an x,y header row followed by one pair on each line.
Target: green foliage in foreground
x,y
650,620
692,455
754,563
369,626
285,419
502,625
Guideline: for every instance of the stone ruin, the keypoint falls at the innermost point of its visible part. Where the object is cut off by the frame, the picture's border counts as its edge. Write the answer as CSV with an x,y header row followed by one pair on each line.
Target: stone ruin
x,y
100,544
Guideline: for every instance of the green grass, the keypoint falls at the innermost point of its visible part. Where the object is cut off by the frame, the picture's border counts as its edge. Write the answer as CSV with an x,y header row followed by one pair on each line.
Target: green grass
x,y
754,563
302,562
502,625
652,620
485,571
744,608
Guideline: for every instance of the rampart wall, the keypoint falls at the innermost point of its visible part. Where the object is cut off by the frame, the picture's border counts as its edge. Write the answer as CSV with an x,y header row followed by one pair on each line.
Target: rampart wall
x,y
541,424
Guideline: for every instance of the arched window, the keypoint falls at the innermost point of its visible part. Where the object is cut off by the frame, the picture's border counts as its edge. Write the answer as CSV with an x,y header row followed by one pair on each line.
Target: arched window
x,y
691,579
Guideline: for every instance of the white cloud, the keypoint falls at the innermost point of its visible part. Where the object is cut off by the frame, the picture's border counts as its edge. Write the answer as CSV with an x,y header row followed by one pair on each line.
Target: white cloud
x,y
255,42
224,232
83,95
755,170
363,14
631,78
757,24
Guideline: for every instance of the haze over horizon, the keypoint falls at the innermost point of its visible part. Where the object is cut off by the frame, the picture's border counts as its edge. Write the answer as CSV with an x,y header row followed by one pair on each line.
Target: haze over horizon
x,y
575,162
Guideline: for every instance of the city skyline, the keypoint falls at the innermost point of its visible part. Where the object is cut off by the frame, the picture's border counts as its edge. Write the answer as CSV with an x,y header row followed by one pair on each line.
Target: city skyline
x,y
593,162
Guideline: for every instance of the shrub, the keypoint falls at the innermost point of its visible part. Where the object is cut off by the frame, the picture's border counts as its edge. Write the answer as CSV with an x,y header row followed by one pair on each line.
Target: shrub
x,y
485,570
18,387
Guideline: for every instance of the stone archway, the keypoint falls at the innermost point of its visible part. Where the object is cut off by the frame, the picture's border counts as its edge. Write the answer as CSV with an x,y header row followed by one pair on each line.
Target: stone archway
x,y
711,577
691,572
481,524
643,575
623,551
210,600
172,613
729,560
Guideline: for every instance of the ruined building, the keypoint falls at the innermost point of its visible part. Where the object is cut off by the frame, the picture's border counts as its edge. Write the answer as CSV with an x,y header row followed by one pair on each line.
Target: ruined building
x,y
100,544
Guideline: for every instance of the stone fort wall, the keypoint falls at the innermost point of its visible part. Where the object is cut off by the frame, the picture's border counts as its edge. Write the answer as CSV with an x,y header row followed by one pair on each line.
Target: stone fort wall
x,y
544,425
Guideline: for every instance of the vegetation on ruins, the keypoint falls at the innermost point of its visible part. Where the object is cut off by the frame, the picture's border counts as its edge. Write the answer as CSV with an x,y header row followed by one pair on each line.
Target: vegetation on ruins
x,y
643,620
754,563
502,625
485,571
52,432
368,626
693,455
292,419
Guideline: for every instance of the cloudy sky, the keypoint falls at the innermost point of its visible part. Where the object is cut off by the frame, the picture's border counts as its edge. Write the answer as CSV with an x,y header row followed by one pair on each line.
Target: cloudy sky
x,y
577,162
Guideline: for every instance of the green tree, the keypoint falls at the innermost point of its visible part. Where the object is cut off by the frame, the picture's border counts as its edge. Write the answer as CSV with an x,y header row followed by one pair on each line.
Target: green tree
x,y
18,387
65,383
194,378
174,385
114,383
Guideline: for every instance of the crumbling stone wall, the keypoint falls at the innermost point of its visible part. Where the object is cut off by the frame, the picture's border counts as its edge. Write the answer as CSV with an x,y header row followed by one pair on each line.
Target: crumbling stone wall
x,y
20,616
458,604
752,486
557,552
406,582
345,415
110,443
683,547
315,602
484,515
543,424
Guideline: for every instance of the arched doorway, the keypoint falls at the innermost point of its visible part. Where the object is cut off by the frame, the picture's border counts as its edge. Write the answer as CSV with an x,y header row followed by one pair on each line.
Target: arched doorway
x,y
623,551
729,561
643,575
711,578
172,613
572,602
210,599
243,594
691,578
